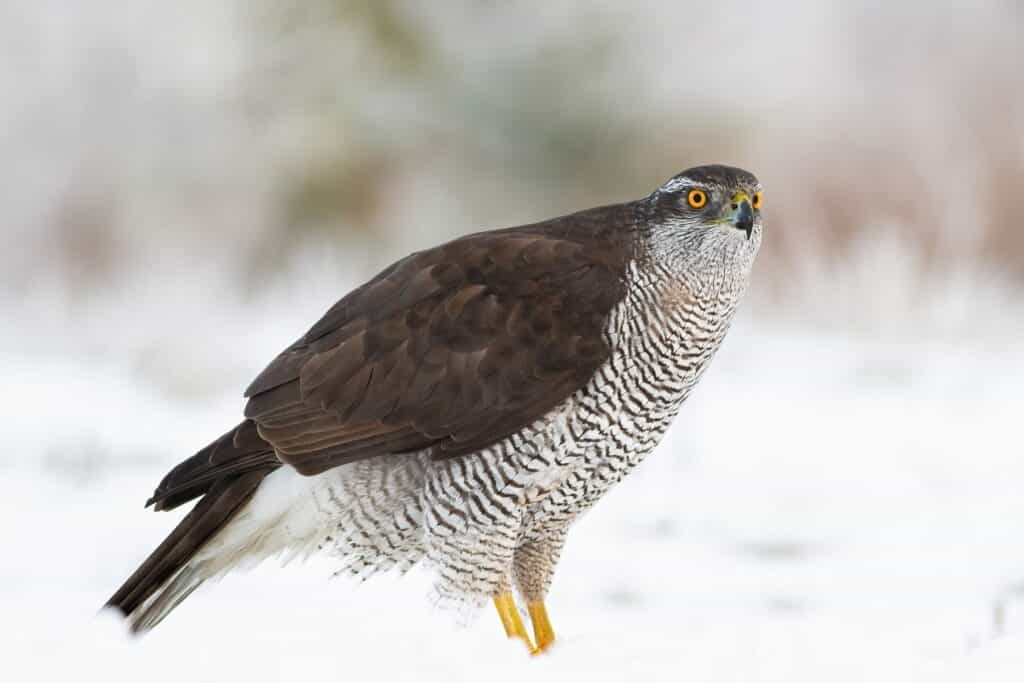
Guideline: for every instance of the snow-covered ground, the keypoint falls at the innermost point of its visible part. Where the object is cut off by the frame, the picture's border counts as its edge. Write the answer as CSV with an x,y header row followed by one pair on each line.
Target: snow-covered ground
x,y
828,507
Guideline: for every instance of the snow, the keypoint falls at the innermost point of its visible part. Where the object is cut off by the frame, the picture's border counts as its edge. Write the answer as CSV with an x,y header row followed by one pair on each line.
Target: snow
x,y
829,506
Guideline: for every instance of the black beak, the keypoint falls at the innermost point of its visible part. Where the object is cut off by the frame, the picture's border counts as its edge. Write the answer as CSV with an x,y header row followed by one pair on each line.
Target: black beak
x,y
743,217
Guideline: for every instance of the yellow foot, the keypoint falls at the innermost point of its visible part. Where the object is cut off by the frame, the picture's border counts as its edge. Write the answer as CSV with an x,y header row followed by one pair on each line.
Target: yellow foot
x,y
511,620
542,631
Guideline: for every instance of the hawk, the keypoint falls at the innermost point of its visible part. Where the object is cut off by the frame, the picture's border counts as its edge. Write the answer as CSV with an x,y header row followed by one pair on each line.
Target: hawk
x,y
467,404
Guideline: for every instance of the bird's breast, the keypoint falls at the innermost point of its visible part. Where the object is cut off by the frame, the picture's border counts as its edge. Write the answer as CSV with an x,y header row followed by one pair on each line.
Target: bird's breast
x,y
662,340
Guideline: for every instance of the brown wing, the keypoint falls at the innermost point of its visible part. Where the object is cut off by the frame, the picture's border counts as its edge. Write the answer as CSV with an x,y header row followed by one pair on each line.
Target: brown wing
x,y
452,348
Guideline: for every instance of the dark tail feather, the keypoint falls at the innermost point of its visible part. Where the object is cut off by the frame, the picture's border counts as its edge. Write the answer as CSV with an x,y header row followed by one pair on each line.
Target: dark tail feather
x,y
240,450
226,474
208,517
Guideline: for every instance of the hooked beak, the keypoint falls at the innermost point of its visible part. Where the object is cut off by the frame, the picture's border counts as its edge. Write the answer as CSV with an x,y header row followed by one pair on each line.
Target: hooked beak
x,y
740,213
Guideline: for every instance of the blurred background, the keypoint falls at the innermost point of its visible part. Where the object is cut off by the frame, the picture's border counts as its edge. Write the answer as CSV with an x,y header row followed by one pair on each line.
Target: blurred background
x,y
187,186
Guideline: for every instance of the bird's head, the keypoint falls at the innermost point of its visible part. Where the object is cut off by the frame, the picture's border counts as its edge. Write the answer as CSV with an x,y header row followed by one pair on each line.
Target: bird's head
x,y
707,215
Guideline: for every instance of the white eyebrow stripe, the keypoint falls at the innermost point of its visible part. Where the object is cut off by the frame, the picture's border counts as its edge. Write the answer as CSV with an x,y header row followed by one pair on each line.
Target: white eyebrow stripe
x,y
676,184
679,183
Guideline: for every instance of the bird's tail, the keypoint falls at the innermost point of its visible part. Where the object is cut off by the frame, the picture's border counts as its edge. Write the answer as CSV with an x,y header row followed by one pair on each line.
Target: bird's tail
x,y
242,517
170,573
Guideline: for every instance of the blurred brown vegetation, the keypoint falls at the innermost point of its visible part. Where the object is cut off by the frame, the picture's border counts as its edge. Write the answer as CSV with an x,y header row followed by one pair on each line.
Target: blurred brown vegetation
x,y
232,138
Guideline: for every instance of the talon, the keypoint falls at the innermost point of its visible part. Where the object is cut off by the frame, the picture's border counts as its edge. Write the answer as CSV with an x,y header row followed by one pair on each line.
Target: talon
x,y
542,631
510,619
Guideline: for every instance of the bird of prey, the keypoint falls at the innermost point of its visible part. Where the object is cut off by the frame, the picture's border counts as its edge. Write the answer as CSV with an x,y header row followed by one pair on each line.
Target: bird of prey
x,y
466,405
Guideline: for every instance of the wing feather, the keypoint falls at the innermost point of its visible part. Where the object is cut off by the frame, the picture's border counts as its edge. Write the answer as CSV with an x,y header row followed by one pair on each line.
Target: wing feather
x,y
450,349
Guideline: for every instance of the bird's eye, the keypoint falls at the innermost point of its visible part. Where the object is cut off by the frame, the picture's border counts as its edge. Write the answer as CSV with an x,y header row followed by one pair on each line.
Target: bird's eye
x,y
756,203
697,198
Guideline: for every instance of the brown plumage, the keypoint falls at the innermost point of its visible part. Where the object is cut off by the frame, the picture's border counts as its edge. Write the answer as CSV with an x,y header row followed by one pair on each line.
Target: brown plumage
x,y
467,404
221,501
450,349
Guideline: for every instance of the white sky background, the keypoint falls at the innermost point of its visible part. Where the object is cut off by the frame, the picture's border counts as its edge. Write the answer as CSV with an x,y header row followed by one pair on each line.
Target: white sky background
x,y
839,500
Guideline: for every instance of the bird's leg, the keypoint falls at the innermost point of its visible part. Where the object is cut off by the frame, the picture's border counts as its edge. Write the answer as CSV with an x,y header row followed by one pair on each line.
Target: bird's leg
x,y
533,566
542,631
510,619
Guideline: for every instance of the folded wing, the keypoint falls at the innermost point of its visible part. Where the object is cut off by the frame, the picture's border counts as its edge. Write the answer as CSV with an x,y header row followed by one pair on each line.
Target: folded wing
x,y
450,349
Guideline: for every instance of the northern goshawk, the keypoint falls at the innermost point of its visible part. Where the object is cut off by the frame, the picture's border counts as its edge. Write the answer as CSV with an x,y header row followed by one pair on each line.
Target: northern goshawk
x,y
468,403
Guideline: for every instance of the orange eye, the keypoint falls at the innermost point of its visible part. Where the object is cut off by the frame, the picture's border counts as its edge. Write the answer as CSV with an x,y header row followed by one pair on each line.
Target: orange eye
x,y
756,203
697,198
